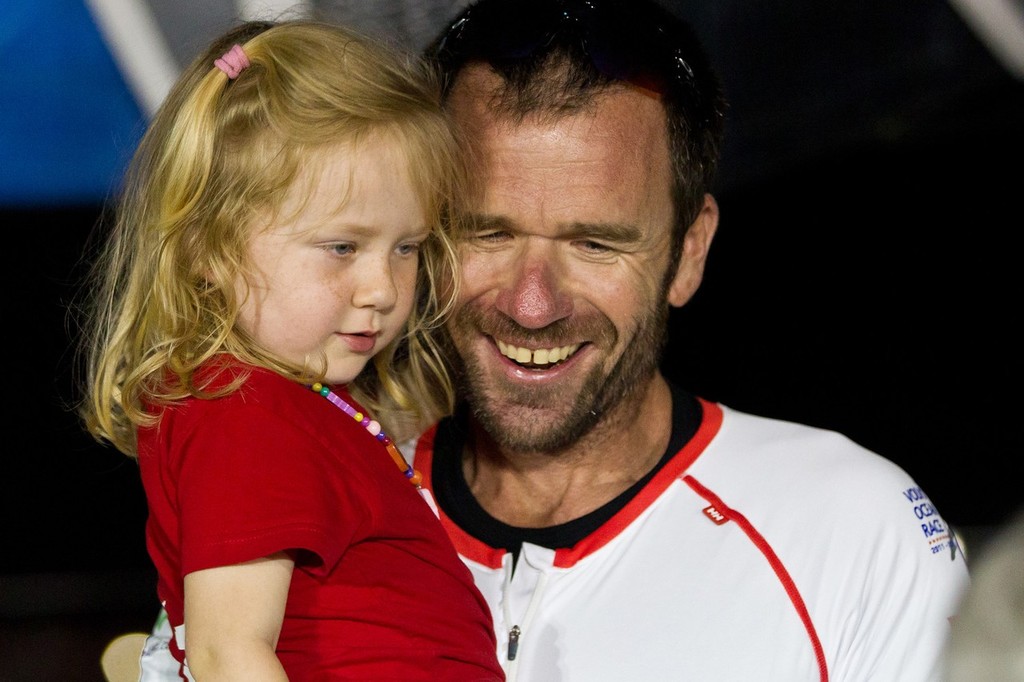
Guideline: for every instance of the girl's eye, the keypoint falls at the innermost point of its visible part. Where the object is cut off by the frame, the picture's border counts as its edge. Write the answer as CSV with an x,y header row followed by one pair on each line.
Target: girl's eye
x,y
340,249
410,249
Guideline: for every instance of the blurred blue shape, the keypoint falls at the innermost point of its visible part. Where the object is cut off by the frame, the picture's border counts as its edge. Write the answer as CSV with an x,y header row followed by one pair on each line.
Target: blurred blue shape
x,y
68,123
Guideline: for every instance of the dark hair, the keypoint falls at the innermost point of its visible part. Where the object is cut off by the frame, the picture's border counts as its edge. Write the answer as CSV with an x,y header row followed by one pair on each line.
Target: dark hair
x,y
557,55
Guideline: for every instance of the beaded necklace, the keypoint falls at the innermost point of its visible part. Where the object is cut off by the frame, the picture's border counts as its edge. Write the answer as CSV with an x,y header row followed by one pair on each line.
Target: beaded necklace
x,y
375,430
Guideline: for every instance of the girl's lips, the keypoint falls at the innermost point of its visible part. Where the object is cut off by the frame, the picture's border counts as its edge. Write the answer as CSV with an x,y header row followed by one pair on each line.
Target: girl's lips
x,y
360,343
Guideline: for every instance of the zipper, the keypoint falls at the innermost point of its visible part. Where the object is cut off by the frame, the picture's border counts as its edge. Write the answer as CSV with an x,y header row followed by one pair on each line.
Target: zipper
x,y
515,633
513,642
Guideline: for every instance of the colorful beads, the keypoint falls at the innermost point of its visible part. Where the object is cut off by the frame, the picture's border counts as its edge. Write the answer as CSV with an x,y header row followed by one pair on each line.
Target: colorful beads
x,y
374,428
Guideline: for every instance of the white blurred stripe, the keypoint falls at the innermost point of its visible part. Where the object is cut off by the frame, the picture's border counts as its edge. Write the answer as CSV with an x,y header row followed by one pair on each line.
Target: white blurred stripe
x,y
272,9
1000,25
138,47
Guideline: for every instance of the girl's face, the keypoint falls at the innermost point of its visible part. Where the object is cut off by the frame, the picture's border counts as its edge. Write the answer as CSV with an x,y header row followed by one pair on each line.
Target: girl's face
x,y
337,281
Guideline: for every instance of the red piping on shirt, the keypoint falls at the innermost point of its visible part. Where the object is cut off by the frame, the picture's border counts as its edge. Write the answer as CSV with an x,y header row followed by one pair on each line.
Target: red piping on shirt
x,y
774,562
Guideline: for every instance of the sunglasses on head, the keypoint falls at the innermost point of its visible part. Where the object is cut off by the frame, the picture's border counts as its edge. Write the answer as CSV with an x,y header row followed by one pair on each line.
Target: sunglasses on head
x,y
625,41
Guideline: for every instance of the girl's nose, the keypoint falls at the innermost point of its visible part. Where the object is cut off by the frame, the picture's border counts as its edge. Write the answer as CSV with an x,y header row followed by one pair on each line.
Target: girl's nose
x,y
375,287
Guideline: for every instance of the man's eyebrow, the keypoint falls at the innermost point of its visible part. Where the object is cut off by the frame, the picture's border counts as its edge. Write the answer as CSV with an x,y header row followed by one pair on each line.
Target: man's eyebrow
x,y
611,232
480,222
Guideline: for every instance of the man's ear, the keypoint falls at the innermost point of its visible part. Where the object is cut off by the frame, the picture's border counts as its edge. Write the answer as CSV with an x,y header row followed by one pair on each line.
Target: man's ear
x,y
695,253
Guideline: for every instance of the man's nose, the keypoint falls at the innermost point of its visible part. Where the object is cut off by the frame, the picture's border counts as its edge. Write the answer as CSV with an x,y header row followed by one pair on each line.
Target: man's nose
x,y
537,294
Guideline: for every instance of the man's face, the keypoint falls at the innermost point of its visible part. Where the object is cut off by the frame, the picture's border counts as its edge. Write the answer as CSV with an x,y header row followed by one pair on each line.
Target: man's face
x,y
562,310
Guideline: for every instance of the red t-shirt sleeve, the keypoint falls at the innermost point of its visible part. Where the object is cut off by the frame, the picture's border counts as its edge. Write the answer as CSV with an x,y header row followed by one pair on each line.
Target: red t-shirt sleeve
x,y
251,483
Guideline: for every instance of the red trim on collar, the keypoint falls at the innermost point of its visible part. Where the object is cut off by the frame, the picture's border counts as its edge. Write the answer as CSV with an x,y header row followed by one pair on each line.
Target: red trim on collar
x,y
476,551
465,544
710,423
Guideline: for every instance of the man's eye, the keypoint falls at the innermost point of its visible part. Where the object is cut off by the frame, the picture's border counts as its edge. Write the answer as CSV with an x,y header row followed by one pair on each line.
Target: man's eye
x,y
593,247
492,236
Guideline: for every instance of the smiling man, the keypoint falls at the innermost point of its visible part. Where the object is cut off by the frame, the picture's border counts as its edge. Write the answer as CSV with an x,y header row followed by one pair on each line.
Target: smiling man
x,y
566,296
619,527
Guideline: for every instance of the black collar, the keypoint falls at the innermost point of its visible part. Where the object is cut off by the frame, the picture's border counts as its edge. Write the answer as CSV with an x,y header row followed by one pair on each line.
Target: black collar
x,y
453,496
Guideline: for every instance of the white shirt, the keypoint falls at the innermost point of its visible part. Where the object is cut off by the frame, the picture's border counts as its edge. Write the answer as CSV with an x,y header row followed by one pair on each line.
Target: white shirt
x,y
764,550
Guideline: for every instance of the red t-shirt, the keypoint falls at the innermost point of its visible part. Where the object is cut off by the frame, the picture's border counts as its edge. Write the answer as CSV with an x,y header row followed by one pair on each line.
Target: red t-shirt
x,y
378,591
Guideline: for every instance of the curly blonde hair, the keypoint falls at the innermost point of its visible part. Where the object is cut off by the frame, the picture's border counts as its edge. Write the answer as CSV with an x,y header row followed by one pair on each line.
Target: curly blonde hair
x,y
218,154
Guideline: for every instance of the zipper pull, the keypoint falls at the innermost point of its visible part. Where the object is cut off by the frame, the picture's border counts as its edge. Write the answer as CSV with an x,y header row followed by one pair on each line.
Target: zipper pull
x,y
513,642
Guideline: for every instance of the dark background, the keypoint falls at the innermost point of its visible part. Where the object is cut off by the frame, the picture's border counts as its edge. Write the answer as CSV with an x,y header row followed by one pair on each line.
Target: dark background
x,y
865,278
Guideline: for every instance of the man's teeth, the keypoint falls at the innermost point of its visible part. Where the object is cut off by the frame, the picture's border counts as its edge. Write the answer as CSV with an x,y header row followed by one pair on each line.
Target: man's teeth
x,y
541,356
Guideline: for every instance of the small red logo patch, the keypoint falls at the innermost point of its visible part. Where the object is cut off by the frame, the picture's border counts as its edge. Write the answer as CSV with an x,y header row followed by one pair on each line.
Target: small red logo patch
x,y
718,517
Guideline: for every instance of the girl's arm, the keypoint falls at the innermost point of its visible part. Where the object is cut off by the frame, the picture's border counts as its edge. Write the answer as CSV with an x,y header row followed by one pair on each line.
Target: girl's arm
x,y
233,617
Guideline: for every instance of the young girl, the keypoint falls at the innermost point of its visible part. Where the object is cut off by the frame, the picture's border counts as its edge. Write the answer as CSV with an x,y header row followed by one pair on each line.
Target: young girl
x,y
281,226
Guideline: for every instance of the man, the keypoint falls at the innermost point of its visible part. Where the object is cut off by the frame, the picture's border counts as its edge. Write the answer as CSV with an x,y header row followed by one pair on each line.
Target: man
x,y
620,528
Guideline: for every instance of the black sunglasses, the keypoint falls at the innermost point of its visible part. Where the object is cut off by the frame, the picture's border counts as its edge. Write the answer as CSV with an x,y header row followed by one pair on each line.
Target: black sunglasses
x,y
636,42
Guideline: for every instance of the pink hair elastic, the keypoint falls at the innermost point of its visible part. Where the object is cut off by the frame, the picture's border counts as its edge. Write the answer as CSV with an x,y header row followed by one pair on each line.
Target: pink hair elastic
x,y
233,62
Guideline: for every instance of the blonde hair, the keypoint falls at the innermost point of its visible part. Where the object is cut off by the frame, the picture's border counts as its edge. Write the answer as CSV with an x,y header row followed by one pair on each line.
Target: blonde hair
x,y
218,154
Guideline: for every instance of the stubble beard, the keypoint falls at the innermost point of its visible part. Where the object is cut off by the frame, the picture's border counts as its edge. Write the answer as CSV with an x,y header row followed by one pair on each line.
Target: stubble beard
x,y
549,419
